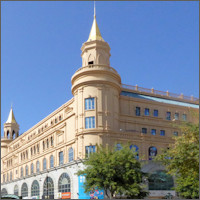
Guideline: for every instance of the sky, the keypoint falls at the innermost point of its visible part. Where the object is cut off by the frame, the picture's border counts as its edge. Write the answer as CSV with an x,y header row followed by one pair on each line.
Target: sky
x,y
153,44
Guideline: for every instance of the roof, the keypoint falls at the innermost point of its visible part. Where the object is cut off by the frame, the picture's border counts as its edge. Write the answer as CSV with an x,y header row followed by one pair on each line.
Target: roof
x,y
11,117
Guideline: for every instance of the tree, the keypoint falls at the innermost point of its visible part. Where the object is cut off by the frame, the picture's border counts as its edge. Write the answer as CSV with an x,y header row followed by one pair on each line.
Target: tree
x,y
182,161
116,172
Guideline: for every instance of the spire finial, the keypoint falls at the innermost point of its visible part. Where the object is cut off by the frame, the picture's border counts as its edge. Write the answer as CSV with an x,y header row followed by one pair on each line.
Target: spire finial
x,y
11,105
94,9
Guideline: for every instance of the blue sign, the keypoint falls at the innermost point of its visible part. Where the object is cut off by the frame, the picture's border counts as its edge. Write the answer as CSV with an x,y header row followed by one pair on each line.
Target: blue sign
x,y
93,194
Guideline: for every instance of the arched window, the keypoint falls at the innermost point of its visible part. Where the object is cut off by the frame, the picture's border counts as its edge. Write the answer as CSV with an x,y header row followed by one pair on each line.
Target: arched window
x,y
13,135
24,190
27,154
51,141
48,188
16,190
38,166
44,164
4,192
118,147
22,172
10,176
8,135
34,149
26,170
64,183
38,148
31,151
152,152
160,180
51,161
135,149
35,188
32,168
71,154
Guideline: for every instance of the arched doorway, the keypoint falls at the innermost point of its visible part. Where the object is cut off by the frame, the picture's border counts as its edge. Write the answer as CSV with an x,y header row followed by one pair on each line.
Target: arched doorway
x,y
35,188
4,192
24,190
48,188
16,190
64,183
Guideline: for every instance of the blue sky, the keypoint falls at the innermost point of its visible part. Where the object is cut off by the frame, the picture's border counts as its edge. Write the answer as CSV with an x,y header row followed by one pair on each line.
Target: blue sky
x,y
153,44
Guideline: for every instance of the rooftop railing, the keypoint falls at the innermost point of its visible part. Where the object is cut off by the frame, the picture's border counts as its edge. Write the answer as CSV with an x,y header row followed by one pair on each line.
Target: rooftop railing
x,y
162,93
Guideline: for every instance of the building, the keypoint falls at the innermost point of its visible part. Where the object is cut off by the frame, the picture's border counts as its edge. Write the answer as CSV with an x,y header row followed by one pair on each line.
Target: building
x,y
44,160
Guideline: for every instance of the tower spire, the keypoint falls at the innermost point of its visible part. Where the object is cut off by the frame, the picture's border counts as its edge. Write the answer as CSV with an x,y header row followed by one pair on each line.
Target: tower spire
x,y
11,117
95,32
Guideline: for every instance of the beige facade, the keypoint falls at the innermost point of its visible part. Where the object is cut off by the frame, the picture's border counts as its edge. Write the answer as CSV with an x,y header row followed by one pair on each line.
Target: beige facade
x,y
102,111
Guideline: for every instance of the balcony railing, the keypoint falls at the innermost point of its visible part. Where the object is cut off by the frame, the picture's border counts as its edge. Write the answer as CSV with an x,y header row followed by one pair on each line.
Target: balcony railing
x,y
162,93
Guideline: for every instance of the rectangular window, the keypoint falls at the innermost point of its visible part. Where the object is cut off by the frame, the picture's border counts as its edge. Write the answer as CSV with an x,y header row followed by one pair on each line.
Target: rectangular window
x,y
144,130
155,113
162,132
184,117
175,133
89,122
168,116
61,158
153,131
89,150
89,104
176,116
146,111
137,111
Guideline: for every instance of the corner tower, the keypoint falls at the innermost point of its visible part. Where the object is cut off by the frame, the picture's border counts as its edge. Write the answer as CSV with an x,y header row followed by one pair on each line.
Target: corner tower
x,y
96,87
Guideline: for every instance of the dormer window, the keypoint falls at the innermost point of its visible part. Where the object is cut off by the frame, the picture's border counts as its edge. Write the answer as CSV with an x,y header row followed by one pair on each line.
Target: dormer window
x,y
91,63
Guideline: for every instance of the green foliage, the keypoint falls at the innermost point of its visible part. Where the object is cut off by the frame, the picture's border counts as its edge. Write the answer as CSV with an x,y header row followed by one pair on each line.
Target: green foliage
x,y
184,162
116,172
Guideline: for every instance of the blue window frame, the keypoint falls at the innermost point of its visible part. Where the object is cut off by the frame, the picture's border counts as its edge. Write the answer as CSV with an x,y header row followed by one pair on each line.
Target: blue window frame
x,y
155,113
38,166
89,104
184,117
168,116
44,164
153,131
144,130
61,158
51,161
162,132
135,149
89,150
146,112
89,122
152,152
71,154
137,111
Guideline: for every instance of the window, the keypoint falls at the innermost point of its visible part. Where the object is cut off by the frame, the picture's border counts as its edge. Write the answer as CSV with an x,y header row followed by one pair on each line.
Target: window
x,y
24,190
153,131
160,180
155,113
34,149
51,161
60,118
32,168
31,151
38,166
146,112
26,170
16,190
47,143
7,177
162,132
135,149
118,147
35,188
48,188
176,116
10,176
61,158
38,148
89,104
144,130
175,133
27,154
4,178
22,173
44,164
91,63
152,152
71,154
4,192
43,145
89,150
89,122
168,116
64,183
137,111
51,141
184,117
